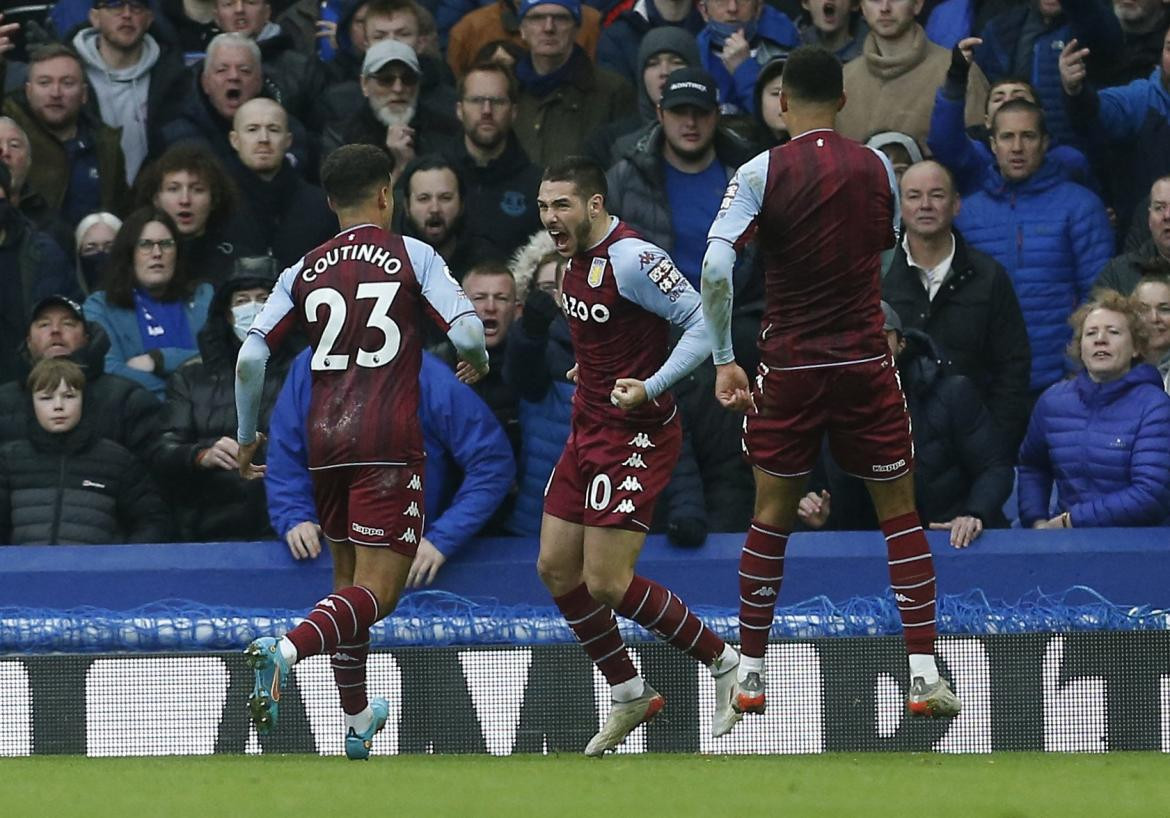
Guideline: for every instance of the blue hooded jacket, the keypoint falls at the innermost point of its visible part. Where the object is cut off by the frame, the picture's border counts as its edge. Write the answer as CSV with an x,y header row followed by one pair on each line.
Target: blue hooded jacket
x,y
1053,237
468,468
775,35
1107,448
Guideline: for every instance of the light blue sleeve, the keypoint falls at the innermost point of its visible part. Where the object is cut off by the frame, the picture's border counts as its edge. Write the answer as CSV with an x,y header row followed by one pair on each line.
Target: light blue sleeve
x,y
657,286
888,253
447,299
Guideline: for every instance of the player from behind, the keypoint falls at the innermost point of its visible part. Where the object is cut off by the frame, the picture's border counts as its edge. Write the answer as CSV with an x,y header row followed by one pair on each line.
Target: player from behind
x,y
620,294
360,297
822,209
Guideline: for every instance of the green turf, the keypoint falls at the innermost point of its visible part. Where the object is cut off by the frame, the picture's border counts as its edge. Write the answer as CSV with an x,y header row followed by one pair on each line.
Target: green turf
x,y
1004,785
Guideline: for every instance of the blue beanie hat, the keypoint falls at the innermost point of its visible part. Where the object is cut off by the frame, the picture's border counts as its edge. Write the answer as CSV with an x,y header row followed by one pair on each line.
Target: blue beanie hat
x,y
573,7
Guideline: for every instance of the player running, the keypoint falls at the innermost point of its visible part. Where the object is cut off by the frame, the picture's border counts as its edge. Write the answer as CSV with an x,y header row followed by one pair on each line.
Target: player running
x,y
822,209
360,298
620,294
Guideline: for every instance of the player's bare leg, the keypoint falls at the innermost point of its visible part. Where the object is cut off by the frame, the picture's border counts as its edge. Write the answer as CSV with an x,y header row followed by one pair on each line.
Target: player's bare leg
x,y
610,555
761,571
913,582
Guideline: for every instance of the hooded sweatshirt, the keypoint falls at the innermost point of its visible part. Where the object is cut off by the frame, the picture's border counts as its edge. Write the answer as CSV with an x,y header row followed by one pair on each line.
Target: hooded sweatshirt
x,y
121,93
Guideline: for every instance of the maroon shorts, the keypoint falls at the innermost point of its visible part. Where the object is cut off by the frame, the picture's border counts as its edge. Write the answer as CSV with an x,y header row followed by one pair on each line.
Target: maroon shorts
x,y
380,506
610,476
860,407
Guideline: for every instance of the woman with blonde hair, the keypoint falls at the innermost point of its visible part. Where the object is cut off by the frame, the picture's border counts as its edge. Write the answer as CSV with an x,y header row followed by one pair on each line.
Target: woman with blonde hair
x,y
1103,437
92,241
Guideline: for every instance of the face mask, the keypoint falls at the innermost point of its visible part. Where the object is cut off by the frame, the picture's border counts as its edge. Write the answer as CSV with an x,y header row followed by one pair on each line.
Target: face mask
x,y
242,317
721,31
91,269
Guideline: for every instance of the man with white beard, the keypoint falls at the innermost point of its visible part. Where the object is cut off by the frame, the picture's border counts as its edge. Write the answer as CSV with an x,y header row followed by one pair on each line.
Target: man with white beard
x,y
391,118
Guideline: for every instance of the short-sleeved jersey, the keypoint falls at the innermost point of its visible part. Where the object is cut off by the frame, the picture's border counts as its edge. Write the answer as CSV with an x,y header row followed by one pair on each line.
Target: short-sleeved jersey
x,y
620,298
361,297
822,208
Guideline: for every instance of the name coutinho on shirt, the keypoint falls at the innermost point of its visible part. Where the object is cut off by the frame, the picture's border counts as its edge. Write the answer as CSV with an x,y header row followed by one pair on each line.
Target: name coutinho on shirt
x,y
369,253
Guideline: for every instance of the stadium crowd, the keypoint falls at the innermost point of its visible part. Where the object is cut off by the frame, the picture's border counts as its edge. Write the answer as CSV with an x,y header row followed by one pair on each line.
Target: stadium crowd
x,y
158,168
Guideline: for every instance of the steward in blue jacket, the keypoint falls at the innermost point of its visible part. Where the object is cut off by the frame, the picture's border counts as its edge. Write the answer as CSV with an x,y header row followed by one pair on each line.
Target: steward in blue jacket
x,y
1106,446
468,468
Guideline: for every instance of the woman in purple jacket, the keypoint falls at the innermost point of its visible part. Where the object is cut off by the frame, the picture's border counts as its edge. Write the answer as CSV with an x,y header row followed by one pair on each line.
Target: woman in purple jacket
x,y
1103,437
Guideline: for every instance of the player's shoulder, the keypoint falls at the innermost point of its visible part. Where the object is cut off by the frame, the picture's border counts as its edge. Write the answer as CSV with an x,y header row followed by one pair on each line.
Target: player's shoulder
x,y
631,253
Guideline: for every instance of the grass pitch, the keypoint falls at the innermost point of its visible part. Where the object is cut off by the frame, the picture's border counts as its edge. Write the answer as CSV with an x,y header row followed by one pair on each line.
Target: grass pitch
x,y
1003,785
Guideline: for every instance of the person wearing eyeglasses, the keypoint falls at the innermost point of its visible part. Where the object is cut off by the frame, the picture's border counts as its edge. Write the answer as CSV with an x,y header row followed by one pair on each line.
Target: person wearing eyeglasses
x,y
500,180
563,95
1123,272
150,309
129,74
392,119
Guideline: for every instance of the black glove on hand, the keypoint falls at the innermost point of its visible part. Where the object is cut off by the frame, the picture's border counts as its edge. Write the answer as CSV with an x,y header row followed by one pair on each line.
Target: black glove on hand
x,y
960,68
539,311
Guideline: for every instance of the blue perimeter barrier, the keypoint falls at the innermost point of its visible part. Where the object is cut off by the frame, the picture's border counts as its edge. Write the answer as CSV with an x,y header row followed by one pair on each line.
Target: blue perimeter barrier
x,y
1129,567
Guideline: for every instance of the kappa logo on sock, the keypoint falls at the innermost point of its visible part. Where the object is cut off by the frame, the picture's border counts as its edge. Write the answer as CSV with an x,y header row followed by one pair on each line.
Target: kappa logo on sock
x,y
902,598
90,484
767,590
344,657
328,603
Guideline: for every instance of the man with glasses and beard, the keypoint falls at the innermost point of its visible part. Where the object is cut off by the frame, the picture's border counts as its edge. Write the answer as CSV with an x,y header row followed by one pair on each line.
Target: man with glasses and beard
x,y
500,180
392,119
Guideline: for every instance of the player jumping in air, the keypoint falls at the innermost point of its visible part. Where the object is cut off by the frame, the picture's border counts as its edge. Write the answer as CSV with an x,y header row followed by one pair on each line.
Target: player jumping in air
x,y
620,294
822,209
360,297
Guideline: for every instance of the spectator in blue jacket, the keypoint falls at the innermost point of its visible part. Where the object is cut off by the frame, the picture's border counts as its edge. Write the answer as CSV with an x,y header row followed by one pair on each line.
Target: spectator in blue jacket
x,y
1133,122
618,48
1051,235
1104,437
967,151
468,467
740,37
149,308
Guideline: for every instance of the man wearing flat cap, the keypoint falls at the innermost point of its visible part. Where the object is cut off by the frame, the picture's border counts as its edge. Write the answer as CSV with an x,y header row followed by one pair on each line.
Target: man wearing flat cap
x,y
563,95
391,118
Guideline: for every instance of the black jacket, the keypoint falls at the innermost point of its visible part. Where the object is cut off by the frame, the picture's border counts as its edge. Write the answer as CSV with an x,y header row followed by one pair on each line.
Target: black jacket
x,y
961,465
287,216
1123,272
432,132
76,489
975,320
213,504
296,75
499,210
116,408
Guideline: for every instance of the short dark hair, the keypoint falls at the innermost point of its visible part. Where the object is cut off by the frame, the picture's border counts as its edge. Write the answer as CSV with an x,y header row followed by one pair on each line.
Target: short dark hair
x,y
431,161
1010,81
489,67
119,270
812,74
1020,105
585,173
49,372
385,8
51,51
354,173
194,158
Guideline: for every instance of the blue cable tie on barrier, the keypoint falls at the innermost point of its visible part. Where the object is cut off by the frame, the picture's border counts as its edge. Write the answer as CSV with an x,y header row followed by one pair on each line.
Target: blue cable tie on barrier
x,y
438,618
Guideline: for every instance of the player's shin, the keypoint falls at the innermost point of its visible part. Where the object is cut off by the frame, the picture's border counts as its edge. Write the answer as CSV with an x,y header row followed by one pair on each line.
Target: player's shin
x,y
912,580
349,674
667,617
337,619
761,570
596,628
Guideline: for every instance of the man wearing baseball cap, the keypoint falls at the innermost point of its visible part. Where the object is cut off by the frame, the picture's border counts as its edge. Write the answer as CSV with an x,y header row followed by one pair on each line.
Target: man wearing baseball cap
x,y
563,95
391,119
669,186
117,407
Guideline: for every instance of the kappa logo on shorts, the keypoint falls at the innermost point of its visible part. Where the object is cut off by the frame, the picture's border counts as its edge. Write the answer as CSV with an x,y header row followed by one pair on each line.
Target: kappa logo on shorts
x,y
414,484
408,536
889,467
642,441
369,532
634,461
626,506
631,483
596,272
412,510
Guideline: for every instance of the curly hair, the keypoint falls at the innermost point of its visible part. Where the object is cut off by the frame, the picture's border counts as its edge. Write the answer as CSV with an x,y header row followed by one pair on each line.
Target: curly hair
x,y
198,160
1114,302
